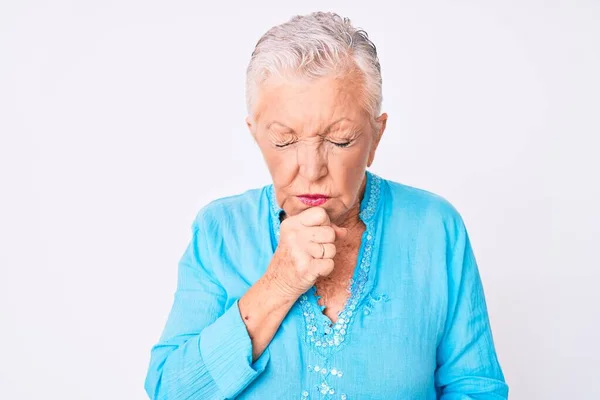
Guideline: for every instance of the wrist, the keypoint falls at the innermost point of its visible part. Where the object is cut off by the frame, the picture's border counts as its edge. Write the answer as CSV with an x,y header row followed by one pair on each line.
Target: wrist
x,y
279,289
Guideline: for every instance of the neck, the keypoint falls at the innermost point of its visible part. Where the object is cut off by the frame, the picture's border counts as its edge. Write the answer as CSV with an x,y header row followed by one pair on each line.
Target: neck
x,y
351,219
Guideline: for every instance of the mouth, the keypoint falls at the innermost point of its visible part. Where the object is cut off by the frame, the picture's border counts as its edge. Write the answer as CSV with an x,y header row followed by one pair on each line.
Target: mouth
x,y
313,199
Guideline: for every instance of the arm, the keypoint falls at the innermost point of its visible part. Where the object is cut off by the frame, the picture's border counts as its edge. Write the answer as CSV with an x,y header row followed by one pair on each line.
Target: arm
x,y
205,351
292,271
467,365
209,352
263,312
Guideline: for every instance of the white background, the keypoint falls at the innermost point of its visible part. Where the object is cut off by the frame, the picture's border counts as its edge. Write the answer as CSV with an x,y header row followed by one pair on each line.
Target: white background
x,y
120,119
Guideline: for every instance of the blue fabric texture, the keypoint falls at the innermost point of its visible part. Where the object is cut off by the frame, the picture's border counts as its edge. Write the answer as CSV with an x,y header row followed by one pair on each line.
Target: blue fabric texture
x,y
415,325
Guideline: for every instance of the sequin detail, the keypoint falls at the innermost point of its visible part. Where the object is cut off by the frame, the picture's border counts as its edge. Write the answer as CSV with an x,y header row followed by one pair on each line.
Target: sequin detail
x,y
320,333
324,371
374,298
326,388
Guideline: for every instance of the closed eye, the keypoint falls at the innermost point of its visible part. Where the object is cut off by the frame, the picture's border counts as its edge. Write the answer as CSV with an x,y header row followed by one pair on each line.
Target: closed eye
x,y
337,144
341,144
284,145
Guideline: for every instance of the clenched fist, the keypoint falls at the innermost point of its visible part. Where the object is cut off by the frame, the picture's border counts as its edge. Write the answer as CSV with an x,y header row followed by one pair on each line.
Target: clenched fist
x,y
305,251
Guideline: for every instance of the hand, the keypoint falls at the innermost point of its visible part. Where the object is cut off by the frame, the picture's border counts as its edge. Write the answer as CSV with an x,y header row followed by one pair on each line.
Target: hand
x,y
305,251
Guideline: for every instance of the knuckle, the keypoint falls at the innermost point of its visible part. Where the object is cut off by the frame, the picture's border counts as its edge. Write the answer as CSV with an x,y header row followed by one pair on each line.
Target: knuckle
x,y
333,250
329,233
321,214
318,210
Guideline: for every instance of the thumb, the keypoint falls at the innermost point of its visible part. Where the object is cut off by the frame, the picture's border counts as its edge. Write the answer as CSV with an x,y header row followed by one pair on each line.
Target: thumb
x,y
340,232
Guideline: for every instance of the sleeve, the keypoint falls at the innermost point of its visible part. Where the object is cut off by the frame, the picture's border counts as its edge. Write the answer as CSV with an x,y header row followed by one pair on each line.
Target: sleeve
x,y
467,365
205,351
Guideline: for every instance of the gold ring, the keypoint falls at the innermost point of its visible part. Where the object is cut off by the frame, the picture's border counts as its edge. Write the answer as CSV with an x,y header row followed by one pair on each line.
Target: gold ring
x,y
323,247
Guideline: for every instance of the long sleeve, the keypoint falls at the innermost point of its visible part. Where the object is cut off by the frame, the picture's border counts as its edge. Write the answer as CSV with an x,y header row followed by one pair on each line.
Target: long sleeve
x,y
467,365
204,351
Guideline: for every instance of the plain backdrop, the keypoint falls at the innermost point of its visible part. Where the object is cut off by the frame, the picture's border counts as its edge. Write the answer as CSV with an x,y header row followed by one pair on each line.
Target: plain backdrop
x,y
119,120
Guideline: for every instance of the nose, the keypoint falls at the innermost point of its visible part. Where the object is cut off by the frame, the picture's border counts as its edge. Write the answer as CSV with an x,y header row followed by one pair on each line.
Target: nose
x,y
312,161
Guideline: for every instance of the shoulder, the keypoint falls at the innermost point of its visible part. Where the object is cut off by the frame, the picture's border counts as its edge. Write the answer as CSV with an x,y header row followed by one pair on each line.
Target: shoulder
x,y
232,230
427,209
240,207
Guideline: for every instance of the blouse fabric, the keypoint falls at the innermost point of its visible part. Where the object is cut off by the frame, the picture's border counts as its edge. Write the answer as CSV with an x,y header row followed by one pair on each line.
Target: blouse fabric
x,y
415,325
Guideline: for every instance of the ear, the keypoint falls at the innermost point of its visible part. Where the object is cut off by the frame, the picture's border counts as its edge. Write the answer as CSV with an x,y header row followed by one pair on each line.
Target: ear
x,y
251,126
380,124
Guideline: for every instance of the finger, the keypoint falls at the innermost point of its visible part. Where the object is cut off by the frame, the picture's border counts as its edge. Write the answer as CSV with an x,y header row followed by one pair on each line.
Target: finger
x,y
314,216
322,267
340,232
316,250
319,234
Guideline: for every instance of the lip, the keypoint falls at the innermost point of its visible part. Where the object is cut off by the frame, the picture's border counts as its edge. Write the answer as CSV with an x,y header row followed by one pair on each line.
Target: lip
x,y
313,199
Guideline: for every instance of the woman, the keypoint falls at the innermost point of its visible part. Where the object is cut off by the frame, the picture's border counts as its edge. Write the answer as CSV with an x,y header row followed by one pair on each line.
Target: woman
x,y
331,282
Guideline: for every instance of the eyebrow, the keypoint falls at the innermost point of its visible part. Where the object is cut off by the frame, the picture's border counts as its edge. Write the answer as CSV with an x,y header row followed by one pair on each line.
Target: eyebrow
x,y
324,132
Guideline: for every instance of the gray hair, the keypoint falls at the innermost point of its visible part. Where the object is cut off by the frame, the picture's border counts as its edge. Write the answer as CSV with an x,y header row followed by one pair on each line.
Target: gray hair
x,y
312,46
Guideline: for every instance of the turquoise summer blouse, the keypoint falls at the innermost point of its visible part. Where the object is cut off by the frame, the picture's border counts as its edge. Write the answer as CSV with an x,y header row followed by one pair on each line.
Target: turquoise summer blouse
x,y
414,327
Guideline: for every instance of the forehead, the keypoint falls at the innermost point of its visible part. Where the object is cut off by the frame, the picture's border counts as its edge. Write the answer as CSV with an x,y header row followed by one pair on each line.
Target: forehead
x,y
307,104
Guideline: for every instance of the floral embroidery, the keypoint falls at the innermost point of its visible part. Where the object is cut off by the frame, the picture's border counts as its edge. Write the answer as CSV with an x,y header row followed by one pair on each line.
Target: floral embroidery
x,y
374,298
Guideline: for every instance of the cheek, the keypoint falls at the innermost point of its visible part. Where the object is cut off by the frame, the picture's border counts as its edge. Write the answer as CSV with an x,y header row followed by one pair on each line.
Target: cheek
x,y
281,165
348,166
348,172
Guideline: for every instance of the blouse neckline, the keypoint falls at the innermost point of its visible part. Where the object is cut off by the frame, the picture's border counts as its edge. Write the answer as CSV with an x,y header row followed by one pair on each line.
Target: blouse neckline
x,y
320,333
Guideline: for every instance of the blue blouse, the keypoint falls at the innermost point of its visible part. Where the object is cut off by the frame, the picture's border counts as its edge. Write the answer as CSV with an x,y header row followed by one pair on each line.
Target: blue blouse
x,y
414,327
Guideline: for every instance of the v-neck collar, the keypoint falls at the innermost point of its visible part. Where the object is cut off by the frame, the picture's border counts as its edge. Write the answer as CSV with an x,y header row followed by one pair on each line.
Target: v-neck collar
x,y
321,334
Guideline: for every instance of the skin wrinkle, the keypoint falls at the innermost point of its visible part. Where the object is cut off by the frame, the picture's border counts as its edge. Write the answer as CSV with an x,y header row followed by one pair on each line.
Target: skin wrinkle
x,y
308,116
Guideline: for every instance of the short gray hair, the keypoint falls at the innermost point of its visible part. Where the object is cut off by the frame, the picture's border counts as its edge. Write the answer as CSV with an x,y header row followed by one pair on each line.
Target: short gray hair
x,y
313,46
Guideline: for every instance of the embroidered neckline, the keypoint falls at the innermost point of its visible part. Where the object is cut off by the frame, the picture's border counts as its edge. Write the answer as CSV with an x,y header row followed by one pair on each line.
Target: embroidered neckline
x,y
319,331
